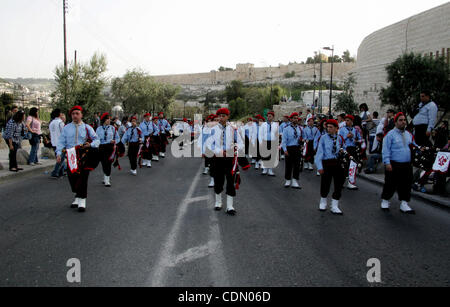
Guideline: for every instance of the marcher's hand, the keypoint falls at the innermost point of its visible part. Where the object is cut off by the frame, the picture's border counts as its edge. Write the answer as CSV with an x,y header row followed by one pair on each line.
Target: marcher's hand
x,y
389,168
58,159
428,133
113,142
321,172
350,136
286,153
87,145
11,147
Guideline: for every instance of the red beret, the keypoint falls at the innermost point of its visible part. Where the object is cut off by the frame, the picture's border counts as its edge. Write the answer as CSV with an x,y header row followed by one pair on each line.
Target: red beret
x,y
293,114
312,118
333,122
271,113
223,111
351,117
147,114
76,108
133,117
155,117
287,116
185,120
104,116
160,113
249,119
397,116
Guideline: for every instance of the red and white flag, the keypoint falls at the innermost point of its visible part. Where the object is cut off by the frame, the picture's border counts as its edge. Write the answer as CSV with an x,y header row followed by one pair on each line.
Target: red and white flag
x,y
305,149
442,162
72,160
352,172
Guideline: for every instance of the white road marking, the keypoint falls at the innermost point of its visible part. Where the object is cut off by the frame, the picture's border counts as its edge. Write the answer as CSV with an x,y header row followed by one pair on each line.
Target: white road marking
x,y
158,276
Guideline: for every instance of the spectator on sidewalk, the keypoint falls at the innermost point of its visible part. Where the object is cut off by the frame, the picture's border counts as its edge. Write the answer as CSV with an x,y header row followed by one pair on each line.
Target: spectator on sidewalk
x,y
33,124
14,110
372,129
56,127
425,119
13,136
376,156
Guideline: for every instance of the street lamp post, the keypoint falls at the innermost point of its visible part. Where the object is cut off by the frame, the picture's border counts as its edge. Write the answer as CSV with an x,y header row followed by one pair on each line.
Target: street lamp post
x,y
331,83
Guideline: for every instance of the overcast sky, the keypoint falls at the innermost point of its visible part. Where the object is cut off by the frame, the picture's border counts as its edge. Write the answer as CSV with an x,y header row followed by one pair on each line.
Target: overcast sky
x,y
187,36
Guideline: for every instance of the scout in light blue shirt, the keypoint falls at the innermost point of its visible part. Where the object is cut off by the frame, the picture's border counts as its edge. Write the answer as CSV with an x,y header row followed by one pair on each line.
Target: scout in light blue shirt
x,y
106,134
328,149
291,136
75,135
163,126
156,131
133,135
396,146
310,133
146,126
345,131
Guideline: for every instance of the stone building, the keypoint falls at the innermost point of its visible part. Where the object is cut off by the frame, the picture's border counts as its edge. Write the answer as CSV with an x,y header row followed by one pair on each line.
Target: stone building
x,y
427,33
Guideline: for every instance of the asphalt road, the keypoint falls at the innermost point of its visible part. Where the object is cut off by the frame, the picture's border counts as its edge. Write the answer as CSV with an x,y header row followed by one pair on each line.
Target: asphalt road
x,y
160,229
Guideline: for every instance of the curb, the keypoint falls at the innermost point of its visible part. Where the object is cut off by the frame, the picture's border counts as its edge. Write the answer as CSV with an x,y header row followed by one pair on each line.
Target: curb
x,y
26,173
431,198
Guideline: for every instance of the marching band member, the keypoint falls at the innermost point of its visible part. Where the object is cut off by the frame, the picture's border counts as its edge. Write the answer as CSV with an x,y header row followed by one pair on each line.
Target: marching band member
x,y
164,128
254,139
310,133
77,138
283,125
147,130
261,120
108,137
351,136
327,161
247,132
133,137
290,145
222,142
397,159
269,131
155,139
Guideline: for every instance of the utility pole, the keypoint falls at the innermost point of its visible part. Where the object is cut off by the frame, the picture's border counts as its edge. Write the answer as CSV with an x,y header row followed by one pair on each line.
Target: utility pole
x,y
65,51
65,34
75,58
320,81
314,84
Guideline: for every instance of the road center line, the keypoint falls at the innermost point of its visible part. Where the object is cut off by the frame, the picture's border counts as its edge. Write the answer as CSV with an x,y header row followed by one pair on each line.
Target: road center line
x,y
159,273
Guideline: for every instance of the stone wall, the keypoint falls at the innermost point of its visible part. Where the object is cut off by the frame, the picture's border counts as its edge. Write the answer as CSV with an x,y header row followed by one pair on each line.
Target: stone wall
x,y
426,33
247,73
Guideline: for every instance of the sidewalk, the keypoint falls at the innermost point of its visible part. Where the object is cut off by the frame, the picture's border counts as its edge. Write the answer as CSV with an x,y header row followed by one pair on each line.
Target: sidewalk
x,y
438,200
44,169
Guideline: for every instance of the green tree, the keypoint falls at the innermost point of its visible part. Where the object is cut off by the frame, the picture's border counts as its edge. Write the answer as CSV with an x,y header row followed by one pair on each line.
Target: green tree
x,y
335,58
234,90
409,75
346,58
345,100
82,84
139,92
238,108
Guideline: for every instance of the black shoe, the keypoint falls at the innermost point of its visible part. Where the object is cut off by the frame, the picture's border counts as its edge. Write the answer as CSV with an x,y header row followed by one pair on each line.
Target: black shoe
x,y
218,208
14,170
19,169
54,177
81,210
231,212
369,171
385,209
73,206
412,212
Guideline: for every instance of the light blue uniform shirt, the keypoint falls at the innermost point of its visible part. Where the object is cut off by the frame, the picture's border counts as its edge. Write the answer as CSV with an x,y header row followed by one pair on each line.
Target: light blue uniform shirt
x,y
156,130
317,138
396,146
146,128
106,134
163,126
283,126
132,135
427,115
291,137
325,149
350,142
310,134
69,139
